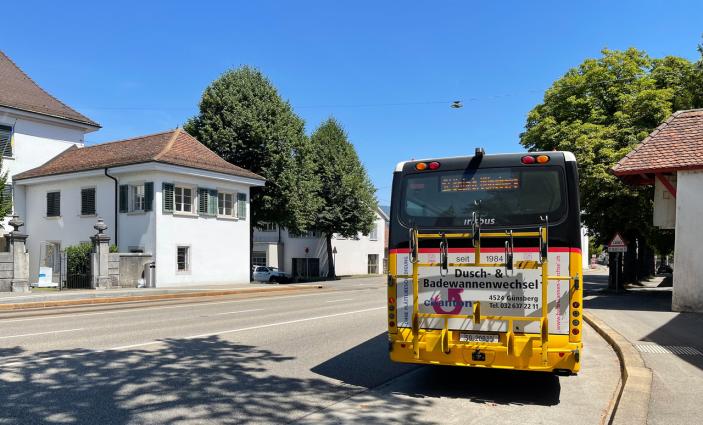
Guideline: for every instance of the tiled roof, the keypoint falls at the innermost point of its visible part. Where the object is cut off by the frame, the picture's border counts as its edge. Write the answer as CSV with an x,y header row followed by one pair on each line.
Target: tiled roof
x,y
677,144
175,147
18,91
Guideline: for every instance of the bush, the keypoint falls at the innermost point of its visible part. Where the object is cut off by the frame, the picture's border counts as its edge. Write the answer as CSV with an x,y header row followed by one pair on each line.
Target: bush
x,y
113,248
78,257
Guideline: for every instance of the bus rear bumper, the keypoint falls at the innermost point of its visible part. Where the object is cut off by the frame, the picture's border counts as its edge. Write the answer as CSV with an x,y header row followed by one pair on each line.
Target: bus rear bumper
x,y
563,357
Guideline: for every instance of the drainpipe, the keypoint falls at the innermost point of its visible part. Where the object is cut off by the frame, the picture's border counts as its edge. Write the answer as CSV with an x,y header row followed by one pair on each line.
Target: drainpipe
x,y
116,200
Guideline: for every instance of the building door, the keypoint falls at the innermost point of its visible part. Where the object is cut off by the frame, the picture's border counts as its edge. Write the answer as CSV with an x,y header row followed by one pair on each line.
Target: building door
x,y
373,263
306,267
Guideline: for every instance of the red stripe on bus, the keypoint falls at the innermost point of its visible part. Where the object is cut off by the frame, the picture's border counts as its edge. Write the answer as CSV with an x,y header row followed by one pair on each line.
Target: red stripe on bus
x,y
470,250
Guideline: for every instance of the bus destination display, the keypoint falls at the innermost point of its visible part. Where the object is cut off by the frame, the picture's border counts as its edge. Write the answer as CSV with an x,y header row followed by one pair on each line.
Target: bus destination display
x,y
463,183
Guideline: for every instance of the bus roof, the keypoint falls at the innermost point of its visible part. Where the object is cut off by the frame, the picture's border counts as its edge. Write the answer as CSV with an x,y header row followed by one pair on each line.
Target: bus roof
x,y
568,157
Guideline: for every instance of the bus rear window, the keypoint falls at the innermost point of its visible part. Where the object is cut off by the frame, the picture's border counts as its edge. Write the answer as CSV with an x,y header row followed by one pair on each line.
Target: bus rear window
x,y
503,197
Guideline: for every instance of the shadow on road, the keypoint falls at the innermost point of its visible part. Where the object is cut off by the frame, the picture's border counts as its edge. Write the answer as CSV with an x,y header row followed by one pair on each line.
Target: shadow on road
x,y
358,366
180,380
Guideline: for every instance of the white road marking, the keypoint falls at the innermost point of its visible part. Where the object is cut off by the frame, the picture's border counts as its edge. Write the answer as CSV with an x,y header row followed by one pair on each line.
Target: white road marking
x,y
42,333
339,301
145,344
289,322
185,305
236,312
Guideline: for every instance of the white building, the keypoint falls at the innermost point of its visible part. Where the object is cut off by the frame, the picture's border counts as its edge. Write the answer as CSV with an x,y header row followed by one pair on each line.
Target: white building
x,y
306,255
671,159
34,126
164,194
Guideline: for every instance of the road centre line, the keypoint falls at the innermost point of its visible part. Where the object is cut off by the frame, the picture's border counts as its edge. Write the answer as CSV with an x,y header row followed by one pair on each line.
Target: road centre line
x,y
205,335
41,333
337,301
195,304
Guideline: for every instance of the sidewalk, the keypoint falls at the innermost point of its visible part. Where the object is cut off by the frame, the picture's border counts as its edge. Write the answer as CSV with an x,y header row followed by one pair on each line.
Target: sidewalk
x,y
53,298
670,343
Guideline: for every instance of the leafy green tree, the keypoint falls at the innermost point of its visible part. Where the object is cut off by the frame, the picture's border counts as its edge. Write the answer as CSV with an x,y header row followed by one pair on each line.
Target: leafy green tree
x,y
5,195
601,110
348,200
243,119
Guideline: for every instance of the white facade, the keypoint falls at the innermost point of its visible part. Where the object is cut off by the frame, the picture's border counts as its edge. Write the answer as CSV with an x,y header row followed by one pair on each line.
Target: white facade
x,y
36,139
307,255
688,267
217,247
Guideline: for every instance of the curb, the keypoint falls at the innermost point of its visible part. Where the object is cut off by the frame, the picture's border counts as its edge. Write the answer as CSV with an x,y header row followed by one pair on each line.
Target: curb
x,y
141,298
631,404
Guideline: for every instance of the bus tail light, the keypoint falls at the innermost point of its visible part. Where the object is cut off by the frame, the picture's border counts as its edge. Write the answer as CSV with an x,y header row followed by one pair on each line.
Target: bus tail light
x,y
527,159
542,159
575,331
434,165
421,166
575,304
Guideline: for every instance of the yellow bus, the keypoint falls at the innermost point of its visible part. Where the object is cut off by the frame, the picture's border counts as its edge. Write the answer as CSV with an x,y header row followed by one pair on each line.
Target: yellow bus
x,y
485,265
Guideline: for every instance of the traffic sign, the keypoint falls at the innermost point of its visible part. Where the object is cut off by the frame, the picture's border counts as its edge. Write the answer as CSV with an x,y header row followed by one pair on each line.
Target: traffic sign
x,y
617,244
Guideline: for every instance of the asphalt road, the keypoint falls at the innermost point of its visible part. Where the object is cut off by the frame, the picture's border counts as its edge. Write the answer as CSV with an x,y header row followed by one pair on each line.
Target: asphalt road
x,y
306,357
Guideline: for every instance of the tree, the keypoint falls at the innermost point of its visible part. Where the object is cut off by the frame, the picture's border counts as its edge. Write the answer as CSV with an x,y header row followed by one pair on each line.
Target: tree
x,y
5,195
348,201
600,111
244,120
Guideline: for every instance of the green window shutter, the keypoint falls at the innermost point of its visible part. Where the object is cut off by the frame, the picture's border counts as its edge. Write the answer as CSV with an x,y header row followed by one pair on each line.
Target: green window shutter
x,y
242,205
212,202
124,198
6,140
88,201
167,189
149,196
202,200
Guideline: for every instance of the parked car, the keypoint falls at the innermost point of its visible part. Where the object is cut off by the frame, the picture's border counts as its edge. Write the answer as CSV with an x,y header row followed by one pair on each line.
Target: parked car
x,y
664,268
269,274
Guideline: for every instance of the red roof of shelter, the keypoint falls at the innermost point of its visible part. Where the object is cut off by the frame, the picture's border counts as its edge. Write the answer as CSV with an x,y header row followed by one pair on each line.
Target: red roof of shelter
x,y
174,147
675,145
18,91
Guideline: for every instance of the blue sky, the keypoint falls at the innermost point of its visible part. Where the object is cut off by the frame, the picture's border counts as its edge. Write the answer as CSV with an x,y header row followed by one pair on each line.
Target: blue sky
x,y
386,70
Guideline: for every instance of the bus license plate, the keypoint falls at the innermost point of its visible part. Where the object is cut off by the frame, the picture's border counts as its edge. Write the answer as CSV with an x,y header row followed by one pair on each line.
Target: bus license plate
x,y
470,337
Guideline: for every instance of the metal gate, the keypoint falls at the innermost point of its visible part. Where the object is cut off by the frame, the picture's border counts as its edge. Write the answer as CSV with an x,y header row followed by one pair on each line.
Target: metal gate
x,y
76,274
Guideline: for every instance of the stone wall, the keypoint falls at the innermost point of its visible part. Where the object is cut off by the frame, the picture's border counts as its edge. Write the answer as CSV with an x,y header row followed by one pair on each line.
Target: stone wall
x,y
125,269
6,271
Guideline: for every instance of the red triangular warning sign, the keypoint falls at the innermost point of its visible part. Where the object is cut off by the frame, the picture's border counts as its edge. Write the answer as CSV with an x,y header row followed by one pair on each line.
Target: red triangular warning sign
x,y
617,242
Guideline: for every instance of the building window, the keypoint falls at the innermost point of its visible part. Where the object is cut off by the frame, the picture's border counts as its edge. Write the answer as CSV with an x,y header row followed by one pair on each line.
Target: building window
x,y
225,204
373,235
88,201
183,258
137,198
258,258
310,234
373,264
268,227
53,204
6,140
184,199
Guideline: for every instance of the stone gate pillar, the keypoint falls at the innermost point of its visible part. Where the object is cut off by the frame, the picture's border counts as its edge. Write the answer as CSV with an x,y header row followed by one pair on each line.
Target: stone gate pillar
x,y
20,257
100,257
